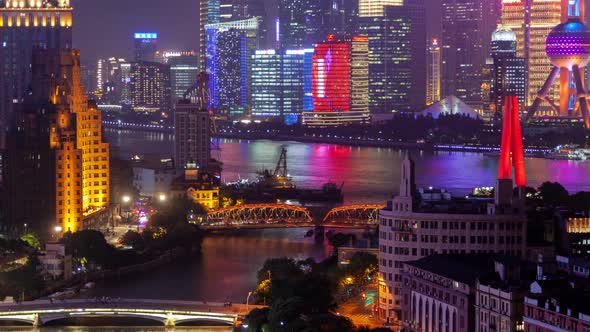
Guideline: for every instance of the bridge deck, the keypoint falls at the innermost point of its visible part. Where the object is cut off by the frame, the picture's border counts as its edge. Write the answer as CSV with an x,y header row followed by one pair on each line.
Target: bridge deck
x,y
147,304
169,312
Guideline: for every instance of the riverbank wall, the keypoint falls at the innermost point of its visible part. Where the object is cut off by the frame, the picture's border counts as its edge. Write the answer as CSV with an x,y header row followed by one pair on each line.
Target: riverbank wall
x,y
390,144
161,260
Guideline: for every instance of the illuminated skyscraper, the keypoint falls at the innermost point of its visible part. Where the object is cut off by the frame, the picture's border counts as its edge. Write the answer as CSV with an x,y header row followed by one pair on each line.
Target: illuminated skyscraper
x,y
150,87
277,84
230,46
183,74
466,31
433,73
507,71
397,47
63,130
531,21
292,20
340,88
146,45
376,8
24,26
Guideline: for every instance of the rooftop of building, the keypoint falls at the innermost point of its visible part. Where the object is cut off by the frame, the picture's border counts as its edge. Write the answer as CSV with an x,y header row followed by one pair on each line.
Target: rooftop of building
x,y
464,268
153,161
195,179
561,295
434,200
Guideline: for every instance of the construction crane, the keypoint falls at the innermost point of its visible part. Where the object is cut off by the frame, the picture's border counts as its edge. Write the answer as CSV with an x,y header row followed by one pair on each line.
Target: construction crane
x,y
281,169
200,93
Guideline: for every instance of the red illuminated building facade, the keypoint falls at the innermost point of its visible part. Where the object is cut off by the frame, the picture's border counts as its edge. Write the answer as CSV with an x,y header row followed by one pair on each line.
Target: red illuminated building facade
x,y
340,82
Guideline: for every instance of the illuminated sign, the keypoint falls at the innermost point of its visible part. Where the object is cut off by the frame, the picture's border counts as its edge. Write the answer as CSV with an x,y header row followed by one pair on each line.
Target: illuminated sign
x,y
144,35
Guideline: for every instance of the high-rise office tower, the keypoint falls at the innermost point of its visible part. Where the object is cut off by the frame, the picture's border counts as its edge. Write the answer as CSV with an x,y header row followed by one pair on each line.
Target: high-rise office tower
x,y
68,180
397,57
150,87
145,46
433,73
466,31
531,21
266,84
24,26
183,74
340,82
231,10
277,84
193,135
101,73
507,71
230,46
373,8
292,23
267,26
203,20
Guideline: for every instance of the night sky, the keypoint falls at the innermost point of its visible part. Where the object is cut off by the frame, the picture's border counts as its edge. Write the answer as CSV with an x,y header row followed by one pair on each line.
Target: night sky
x,y
104,28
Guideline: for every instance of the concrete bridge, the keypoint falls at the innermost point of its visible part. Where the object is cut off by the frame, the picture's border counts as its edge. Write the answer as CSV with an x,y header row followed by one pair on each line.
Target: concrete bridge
x,y
169,313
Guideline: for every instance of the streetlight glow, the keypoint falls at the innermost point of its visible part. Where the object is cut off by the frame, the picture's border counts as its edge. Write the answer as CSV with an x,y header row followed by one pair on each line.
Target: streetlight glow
x,y
126,199
58,229
162,197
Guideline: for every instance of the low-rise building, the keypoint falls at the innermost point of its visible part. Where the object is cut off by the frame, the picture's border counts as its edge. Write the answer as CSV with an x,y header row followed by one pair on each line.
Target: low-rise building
x,y
201,187
414,226
438,291
557,305
55,262
153,176
499,298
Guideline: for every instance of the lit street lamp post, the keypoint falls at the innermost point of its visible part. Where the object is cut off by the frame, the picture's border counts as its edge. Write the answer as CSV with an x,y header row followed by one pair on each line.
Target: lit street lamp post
x,y
248,302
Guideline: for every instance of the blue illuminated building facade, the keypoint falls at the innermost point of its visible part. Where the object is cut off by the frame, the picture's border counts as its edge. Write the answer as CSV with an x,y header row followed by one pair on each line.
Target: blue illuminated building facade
x,y
277,84
307,80
230,46
146,45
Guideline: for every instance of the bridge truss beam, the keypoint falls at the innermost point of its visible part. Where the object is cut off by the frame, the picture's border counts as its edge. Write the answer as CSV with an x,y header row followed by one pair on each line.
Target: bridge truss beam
x,y
354,214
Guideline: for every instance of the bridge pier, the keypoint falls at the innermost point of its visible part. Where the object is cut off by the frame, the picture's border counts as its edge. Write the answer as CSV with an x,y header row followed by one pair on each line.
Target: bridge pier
x,y
36,321
170,322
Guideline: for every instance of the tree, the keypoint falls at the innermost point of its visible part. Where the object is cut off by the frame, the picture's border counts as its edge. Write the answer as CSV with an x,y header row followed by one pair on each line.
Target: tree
x,y
553,194
31,240
361,266
256,319
279,268
580,201
133,239
90,245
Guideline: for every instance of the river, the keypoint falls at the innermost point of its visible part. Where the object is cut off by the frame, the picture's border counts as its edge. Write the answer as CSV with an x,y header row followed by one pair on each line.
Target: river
x,y
226,268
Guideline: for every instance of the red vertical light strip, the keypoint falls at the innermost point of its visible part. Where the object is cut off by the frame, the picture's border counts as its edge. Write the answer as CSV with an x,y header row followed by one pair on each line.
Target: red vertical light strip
x,y
516,146
504,166
511,149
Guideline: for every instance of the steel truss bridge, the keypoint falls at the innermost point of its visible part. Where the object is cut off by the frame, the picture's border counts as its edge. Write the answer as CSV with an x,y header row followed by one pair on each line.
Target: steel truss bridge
x,y
169,313
260,214
366,214
283,215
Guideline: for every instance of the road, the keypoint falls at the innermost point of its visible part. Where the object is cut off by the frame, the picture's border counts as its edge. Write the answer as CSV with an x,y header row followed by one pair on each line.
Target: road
x,y
359,309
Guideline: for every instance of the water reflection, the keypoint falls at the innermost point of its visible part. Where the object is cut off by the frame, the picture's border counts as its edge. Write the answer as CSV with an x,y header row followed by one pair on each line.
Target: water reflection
x,y
368,175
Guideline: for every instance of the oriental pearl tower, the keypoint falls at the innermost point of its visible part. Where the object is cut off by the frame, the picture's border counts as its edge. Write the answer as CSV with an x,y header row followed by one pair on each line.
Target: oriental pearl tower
x,y
568,48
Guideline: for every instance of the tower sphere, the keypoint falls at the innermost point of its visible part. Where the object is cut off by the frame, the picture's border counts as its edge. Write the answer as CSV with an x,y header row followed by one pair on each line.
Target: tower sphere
x,y
568,44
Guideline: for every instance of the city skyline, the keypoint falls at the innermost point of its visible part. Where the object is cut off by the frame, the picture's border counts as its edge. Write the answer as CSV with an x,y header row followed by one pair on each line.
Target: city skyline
x,y
97,40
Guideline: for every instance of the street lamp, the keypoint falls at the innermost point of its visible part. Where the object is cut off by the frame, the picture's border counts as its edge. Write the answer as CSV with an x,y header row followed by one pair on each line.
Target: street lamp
x,y
162,197
58,229
126,199
248,302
